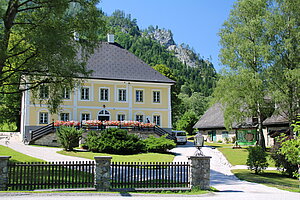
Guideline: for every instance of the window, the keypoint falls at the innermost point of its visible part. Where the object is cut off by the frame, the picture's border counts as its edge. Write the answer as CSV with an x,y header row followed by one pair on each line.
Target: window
x,y
44,92
139,118
122,95
103,94
64,116
85,93
156,120
139,96
43,118
225,134
85,116
66,93
121,117
156,96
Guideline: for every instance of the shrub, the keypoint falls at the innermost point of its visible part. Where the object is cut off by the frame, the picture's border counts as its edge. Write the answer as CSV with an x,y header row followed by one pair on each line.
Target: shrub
x,y
280,159
257,159
68,137
159,145
291,150
114,141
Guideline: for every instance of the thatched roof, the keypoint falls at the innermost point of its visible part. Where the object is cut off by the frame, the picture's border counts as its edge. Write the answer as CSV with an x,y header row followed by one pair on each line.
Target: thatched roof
x,y
276,119
213,118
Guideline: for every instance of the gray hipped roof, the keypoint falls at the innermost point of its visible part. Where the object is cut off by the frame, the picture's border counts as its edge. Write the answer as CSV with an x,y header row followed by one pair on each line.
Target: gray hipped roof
x,y
112,62
212,118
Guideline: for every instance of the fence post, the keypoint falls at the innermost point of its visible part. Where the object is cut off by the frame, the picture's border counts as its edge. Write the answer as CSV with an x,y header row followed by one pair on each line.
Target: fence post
x,y
102,172
4,172
200,172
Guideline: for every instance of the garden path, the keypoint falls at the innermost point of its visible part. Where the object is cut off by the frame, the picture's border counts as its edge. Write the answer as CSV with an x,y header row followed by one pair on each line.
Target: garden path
x,y
221,176
45,153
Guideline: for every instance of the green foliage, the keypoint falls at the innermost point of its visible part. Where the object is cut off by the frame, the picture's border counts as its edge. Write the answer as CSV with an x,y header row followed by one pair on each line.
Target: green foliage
x,y
68,137
280,159
257,159
187,121
37,45
290,149
114,141
159,145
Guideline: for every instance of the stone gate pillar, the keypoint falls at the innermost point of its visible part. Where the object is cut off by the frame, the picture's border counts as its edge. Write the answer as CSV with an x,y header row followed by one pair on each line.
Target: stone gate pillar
x,y
4,172
102,172
200,172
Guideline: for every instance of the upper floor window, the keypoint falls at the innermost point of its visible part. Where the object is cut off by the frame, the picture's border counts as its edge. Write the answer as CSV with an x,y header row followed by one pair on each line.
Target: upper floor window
x,y
156,96
122,95
66,93
156,120
85,116
139,118
44,92
139,96
65,116
121,117
85,93
43,118
104,94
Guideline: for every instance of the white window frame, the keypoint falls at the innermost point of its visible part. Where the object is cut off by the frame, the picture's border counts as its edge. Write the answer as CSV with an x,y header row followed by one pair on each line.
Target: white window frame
x,y
154,96
43,117
66,94
139,114
121,114
108,93
155,119
85,113
136,96
118,95
44,92
63,118
89,93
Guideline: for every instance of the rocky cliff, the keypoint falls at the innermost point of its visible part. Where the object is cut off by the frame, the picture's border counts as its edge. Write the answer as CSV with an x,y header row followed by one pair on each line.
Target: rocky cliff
x,y
183,52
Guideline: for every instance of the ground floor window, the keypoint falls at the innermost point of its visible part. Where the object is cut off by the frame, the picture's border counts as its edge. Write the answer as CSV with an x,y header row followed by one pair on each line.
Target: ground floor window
x,y
139,118
85,116
156,120
43,118
225,134
64,116
121,117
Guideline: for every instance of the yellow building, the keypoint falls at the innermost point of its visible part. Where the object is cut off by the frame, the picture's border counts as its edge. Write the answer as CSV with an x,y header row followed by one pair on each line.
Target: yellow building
x,y
121,87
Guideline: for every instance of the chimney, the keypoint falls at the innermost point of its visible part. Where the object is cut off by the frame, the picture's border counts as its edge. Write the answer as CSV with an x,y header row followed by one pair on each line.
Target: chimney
x,y
110,38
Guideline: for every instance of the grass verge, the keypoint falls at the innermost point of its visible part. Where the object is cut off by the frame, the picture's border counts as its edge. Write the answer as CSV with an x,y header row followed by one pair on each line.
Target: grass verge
x,y
143,157
17,156
236,156
269,178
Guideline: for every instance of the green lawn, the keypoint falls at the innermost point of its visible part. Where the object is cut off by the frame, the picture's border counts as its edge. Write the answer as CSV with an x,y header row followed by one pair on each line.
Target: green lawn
x,y
269,178
235,156
143,157
17,156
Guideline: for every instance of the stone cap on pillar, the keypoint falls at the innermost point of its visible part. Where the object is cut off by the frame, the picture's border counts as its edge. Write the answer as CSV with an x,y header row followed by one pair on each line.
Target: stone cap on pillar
x,y
199,157
102,157
5,157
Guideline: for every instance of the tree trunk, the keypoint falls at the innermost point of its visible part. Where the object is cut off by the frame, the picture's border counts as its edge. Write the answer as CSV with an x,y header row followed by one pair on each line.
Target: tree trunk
x,y
261,138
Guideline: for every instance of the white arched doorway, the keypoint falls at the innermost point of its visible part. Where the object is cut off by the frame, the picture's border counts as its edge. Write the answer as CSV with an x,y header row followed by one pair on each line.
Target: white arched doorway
x,y
104,115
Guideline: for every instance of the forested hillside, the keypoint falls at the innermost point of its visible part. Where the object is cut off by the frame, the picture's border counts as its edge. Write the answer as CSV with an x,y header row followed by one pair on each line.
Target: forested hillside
x,y
195,76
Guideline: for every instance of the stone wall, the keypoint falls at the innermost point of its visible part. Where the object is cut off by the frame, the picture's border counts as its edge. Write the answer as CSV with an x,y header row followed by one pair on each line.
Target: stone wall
x,y
4,172
48,140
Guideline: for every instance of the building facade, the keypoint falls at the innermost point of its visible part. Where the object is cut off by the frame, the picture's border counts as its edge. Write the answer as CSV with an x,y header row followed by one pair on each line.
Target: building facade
x,y
121,88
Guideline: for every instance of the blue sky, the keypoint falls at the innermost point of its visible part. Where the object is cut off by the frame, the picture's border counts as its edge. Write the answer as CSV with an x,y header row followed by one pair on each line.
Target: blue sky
x,y
193,22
